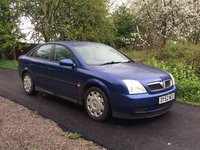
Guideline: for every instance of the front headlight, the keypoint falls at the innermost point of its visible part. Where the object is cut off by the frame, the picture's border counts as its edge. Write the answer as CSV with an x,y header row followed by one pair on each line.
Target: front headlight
x,y
134,87
173,80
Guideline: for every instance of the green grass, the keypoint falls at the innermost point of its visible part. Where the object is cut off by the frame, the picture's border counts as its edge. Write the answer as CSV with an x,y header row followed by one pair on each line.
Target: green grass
x,y
188,102
74,135
11,64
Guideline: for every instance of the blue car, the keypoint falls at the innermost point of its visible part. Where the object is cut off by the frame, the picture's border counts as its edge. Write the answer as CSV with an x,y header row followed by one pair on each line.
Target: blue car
x,y
102,79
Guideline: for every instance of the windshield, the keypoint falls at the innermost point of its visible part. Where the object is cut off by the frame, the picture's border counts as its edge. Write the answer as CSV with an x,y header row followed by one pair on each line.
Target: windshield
x,y
99,54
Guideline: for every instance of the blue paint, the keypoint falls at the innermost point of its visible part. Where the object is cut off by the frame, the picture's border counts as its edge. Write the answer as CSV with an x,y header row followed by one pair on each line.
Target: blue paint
x,y
61,78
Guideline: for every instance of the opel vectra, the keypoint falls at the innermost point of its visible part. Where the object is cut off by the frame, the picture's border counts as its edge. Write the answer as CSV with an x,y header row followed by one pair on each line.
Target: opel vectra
x,y
104,80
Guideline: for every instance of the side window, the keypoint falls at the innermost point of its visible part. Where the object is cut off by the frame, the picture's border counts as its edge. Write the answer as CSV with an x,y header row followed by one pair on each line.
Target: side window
x,y
44,52
31,53
61,52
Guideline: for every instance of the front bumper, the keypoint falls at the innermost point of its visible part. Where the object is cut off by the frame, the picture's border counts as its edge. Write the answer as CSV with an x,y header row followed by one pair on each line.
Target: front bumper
x,y
141,105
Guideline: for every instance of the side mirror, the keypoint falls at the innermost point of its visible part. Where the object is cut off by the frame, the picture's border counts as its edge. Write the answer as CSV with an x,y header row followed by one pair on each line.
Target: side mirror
x,y
67,62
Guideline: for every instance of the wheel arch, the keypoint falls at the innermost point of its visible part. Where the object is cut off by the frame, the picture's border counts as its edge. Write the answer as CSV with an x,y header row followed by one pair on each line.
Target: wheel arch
x,y
98,84
24,71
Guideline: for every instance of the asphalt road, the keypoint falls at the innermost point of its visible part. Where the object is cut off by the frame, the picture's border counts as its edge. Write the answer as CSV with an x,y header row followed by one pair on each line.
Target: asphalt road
x,y
179,129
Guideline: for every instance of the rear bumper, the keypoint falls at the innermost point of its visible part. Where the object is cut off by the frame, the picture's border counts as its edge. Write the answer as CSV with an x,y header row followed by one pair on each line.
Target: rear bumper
x,y
140,106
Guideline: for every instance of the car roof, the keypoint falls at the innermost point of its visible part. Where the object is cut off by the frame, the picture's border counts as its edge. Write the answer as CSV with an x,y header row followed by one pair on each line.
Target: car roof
x,y
75,43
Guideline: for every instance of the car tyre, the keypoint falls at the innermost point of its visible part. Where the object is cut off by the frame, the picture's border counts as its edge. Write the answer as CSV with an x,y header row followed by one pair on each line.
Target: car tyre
x,y
96,104
28,84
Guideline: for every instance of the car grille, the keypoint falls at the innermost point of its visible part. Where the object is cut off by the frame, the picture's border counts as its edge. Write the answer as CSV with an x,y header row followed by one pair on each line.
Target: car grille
x,y
156,86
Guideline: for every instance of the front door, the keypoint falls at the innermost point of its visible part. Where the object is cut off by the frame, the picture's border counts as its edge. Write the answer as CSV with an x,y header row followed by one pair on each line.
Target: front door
x,y
64,79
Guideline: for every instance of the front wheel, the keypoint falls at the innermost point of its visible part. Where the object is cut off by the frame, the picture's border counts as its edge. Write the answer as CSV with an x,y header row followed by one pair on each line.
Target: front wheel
x,y
28,84
96,104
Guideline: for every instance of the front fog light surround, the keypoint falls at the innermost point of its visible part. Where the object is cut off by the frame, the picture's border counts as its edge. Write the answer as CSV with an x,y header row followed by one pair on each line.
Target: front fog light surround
x,y
134,87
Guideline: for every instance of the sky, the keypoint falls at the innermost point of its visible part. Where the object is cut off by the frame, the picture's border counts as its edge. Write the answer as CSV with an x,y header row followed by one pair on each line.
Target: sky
x,y
116,3
28,29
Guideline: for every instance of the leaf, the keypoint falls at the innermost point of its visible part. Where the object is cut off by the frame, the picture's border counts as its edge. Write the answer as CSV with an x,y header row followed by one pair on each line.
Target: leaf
x,y
74,135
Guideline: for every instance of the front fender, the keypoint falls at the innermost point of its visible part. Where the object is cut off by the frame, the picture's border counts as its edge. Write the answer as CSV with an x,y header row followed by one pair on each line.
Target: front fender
x,y
21,72
93,83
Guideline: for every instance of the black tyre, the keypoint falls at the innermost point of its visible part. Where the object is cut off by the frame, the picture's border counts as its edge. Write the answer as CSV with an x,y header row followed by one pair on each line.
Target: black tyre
x,y
96,104
28,84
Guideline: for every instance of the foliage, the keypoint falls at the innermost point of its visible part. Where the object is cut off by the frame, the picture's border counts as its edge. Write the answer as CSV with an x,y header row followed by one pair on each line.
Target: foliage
x,y
90,23
64,20
161,18
186,79
9,31
126,27
139,56
43,15
182,60
134,25
11,64
185,53
74,135
161,21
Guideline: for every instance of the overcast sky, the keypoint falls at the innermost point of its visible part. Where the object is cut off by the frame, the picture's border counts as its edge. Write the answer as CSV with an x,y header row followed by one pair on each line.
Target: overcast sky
x,y
27,28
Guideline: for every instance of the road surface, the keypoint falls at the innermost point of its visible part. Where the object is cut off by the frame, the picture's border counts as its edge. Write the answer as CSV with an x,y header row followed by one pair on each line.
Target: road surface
x,y
179,129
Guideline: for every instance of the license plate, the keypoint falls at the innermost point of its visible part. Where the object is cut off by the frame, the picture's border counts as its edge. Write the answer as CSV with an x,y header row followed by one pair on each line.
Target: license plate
x,y
166,98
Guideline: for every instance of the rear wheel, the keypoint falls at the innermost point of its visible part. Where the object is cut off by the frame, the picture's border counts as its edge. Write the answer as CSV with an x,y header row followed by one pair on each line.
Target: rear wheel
x,y
96,104
28,84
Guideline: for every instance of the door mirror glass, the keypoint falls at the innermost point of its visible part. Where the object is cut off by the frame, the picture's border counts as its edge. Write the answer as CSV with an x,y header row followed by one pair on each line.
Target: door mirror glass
x,y
67,62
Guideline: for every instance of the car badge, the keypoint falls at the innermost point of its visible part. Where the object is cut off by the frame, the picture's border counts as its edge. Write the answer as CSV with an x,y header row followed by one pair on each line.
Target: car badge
x,y
162,83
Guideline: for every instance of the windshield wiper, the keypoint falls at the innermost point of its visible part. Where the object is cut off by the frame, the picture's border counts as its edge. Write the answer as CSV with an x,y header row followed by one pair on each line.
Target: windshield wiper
x,y
127,61
111,62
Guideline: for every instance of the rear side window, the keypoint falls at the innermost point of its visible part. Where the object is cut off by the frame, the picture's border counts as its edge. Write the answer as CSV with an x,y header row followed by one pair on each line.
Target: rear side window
x,y
44,52
61,52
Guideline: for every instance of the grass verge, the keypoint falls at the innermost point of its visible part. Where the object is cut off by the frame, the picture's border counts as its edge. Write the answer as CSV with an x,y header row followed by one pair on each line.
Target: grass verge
x,y
11,64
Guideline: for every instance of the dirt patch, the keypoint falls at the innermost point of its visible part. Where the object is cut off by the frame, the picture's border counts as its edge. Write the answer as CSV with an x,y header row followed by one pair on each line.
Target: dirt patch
x,y
23,129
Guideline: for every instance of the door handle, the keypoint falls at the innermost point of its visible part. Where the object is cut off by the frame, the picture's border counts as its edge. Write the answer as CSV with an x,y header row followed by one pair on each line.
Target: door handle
x,y
51,69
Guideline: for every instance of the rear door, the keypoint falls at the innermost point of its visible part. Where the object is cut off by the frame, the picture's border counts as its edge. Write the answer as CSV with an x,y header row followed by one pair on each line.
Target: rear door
x,y
39,66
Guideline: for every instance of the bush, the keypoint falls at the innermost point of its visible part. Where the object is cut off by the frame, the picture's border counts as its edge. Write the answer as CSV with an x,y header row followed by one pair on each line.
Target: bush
x,y
182,60
139,56
185,77
183,53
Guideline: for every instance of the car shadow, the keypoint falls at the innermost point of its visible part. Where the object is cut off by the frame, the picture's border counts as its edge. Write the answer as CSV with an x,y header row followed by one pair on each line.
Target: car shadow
x,y
139,122
79,110
60,101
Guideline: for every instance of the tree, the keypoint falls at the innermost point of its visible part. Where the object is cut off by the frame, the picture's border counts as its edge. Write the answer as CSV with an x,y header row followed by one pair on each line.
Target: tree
x,y
9,31
126,27
43,15
190,28
167,20
70,19
85,20
160,19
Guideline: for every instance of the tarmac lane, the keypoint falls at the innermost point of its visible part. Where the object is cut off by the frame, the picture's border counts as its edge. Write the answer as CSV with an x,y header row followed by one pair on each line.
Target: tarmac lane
x,y
179,129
